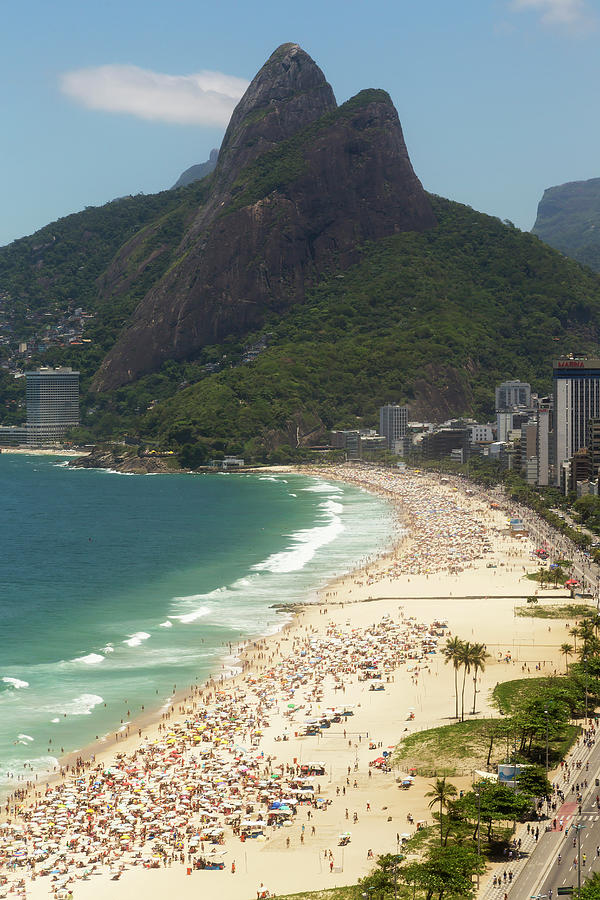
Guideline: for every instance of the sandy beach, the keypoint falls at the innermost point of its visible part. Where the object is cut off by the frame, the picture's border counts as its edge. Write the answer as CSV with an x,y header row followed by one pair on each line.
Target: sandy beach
x,y
238,756
42,451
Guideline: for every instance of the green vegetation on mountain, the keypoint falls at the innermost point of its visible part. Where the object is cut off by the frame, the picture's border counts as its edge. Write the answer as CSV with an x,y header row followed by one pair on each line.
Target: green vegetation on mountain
x,y
286,162
63,262
433,319
453,310
568,219
303,283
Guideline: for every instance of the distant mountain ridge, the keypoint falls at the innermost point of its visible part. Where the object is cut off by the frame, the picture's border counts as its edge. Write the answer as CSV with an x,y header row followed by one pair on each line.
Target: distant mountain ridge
x,y
568,218
197,172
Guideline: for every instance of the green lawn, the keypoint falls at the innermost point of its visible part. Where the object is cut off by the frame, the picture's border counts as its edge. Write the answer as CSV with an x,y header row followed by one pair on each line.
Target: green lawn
x,y
508,694
350,892
463,746
556,611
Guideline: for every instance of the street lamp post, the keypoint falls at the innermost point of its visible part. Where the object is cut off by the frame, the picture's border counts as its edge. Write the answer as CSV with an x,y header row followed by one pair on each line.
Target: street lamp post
x,y
586,688
478,830
546,713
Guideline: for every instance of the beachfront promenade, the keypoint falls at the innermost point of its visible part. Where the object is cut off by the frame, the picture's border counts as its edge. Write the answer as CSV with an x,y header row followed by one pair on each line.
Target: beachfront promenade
x,y
237,757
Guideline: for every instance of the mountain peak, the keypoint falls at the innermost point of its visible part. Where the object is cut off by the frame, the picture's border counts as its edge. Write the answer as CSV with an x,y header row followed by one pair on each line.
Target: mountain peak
x,y
289,92
300,185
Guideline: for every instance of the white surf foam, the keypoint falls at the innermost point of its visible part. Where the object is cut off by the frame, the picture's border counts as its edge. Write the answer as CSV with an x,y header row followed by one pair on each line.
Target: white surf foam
x,y
91,659
323,487
186,618
24,737
194,598
80,706
134,640
15,682
166,624
108,649
43,765
306,543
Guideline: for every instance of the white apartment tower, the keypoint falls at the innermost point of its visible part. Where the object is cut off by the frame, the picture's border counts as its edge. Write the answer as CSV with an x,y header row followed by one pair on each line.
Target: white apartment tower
x,y
52,404
393,423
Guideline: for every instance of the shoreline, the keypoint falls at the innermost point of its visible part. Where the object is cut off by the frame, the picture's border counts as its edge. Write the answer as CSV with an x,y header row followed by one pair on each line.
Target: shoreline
x,y
39,451
343,601
240,656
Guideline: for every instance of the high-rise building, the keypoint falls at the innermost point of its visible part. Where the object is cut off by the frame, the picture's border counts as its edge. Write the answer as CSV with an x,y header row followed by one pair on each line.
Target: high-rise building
x,y
393,423
544,441
593,445
52,404
576,401
513,394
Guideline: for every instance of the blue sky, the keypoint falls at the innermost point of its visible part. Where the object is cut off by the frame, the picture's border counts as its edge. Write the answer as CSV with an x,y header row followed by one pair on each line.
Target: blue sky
x,y
498,99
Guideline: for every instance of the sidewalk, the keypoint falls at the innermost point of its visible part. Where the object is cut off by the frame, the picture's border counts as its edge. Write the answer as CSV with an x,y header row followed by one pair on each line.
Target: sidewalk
x,y
579,754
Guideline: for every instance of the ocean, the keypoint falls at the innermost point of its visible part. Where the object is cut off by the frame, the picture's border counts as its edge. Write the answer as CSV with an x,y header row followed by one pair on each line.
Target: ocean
x,y
116,591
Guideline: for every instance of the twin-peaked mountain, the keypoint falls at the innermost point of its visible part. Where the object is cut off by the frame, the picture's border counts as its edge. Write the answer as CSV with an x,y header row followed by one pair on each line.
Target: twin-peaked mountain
x,y
301,284
299,185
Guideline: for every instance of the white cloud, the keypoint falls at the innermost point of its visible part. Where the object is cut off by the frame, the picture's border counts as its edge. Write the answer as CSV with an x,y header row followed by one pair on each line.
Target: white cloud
x,y
203,98
569,13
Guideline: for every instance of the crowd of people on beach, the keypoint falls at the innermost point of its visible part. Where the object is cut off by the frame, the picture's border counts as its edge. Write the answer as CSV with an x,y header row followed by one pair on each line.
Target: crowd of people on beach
x,y
189,794
443,533
204,782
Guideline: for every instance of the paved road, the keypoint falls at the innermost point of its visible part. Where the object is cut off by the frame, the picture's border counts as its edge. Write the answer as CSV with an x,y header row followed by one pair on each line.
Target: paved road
x,y
561,547
541,871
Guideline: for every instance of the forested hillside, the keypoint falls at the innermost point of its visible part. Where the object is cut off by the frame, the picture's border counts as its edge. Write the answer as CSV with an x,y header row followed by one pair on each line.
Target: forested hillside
x,y
433,319
304,282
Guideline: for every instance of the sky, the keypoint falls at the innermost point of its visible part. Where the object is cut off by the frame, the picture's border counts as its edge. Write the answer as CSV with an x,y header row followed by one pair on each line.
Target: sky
x,y
498,99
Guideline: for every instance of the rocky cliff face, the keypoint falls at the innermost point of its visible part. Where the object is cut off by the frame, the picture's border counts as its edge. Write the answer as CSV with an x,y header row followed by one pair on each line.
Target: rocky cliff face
x,y
299,185
568,219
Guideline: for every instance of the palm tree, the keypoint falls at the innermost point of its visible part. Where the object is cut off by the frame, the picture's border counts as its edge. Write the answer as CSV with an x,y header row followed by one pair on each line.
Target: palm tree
x,y
542,574
566,650
451,653
479,657
442,793
586,633
465,660
595,620
574,632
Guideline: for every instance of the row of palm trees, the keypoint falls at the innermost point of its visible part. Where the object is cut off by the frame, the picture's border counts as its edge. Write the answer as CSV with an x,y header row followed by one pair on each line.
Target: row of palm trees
x,y
587,632
470,657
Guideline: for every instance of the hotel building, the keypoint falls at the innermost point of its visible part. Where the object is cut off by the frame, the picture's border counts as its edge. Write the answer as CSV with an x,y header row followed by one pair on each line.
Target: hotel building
x,y
52,404
576,401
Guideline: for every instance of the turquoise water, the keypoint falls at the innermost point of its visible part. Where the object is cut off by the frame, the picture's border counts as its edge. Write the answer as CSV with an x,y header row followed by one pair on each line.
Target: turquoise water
x,y
116,590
